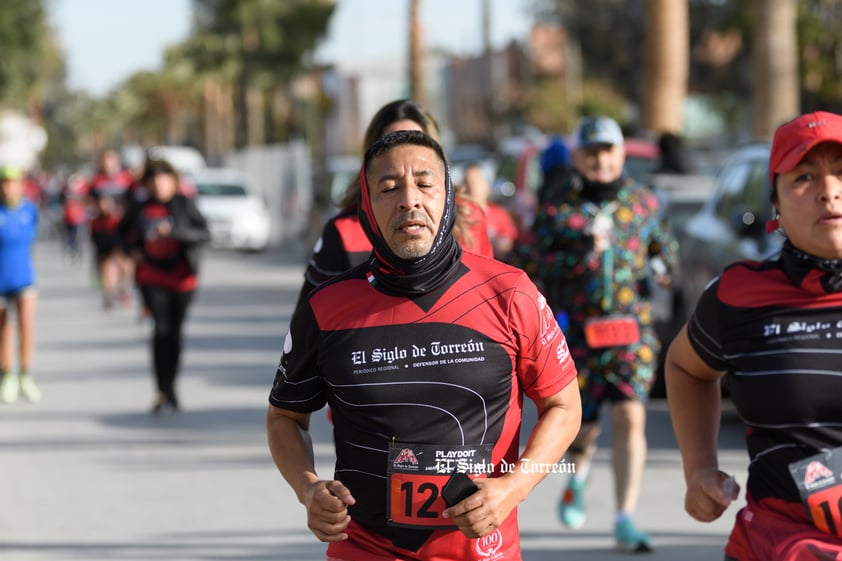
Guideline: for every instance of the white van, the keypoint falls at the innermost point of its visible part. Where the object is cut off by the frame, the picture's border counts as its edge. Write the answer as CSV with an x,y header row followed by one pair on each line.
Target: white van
x,y
186,159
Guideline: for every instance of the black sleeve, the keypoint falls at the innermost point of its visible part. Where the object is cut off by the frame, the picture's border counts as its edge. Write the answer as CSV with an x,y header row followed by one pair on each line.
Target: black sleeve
x,y
129,236
298,386
703,328
328,260
190,226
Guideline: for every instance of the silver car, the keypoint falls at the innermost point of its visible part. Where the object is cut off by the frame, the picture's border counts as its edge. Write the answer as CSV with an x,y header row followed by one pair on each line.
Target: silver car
x,y
731,226
237,214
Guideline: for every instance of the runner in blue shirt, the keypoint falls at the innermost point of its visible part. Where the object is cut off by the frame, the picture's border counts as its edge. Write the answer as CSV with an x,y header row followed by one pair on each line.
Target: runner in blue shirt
x,y
18,230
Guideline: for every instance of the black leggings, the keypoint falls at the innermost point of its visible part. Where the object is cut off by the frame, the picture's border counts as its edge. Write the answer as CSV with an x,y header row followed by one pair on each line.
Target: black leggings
x,y
168,310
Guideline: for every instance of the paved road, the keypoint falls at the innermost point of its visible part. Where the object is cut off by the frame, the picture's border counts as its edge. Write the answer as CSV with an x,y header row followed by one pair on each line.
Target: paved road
x,y
88,474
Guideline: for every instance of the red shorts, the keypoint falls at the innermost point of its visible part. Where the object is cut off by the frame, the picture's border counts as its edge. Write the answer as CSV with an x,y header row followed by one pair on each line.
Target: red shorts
x,y
776,530
443,545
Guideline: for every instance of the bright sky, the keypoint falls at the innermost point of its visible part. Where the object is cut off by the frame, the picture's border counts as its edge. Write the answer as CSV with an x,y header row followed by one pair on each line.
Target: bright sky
x,y
105,41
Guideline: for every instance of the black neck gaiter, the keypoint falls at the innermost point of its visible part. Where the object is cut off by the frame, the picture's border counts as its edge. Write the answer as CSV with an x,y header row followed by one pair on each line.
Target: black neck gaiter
x,y
597,192
798,264
412,277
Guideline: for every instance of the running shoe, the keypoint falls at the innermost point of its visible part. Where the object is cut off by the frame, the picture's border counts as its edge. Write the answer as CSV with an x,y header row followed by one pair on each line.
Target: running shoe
x,y
159,405
28,388
9,388
165,406
571,508
630,539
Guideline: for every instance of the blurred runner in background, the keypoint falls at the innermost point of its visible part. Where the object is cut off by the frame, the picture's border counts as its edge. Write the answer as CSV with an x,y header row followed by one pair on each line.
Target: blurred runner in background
x,y
18,296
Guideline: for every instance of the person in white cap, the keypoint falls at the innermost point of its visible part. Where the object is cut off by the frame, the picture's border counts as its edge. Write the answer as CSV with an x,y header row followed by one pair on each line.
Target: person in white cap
x,y
771,331
593,249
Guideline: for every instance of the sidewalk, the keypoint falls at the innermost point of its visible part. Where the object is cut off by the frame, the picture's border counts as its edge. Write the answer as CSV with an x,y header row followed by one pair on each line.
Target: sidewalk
x,y
90,475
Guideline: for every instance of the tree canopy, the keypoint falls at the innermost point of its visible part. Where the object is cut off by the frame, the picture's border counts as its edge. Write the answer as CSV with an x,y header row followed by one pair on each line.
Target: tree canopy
x,y
25,47
235,80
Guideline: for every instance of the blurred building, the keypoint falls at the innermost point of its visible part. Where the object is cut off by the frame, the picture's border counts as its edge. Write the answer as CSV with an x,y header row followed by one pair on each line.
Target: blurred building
x,y
477,99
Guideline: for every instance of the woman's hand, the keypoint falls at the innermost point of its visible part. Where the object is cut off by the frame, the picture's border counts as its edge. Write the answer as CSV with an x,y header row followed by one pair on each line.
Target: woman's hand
x,y
709,492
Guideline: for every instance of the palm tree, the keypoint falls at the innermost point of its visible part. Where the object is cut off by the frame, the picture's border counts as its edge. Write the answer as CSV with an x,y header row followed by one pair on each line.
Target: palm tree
x,y
667,60
416,53
775,95
262,42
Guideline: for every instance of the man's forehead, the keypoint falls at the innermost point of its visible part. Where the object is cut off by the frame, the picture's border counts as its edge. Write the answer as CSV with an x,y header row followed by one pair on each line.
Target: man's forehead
x,y
409,153
595,148
404,149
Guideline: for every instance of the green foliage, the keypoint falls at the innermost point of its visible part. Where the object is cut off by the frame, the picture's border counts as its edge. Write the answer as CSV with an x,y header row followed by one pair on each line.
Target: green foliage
x,y
258,36
599,98
553,108
239,44
820,44
23,33
610,35
67,125
549,107
258,46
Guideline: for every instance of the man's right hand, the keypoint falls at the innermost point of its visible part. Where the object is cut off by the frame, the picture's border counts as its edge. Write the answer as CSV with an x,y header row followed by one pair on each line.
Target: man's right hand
x,y
327,510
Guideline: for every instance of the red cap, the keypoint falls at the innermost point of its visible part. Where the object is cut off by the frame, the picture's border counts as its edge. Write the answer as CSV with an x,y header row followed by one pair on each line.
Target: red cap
x,y
795,138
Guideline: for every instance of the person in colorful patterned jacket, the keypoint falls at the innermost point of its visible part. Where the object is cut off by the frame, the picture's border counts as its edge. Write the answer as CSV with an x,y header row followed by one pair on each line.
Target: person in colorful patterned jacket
x,y
597,244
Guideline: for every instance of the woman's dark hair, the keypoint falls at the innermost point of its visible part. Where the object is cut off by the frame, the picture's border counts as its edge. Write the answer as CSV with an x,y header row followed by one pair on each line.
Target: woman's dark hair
x,y
155,166
399,110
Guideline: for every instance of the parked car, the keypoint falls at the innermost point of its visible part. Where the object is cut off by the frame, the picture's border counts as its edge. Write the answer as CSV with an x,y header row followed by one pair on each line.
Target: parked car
x,y
237,214
341,172
186,159
459,156
730,226
642,158
518,176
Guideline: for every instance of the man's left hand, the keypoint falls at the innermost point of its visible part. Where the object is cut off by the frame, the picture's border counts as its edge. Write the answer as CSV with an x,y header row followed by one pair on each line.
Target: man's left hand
x,y
481,513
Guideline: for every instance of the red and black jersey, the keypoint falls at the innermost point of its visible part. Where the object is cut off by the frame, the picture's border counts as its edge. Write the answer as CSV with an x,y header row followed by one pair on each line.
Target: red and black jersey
x,y
103,232
104,224
116,186
342,245
447,367
776,329
73,197
170,261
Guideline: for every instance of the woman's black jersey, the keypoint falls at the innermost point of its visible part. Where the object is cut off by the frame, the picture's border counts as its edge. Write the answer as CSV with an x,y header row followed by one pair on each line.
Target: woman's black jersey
x,y
779,337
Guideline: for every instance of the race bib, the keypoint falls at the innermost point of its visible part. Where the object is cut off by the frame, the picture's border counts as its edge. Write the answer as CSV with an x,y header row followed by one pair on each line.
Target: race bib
x,y
612,331
418,472
819,482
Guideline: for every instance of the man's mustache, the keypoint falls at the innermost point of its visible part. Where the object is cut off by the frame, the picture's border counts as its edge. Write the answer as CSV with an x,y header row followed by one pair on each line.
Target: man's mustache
x,y
411,216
